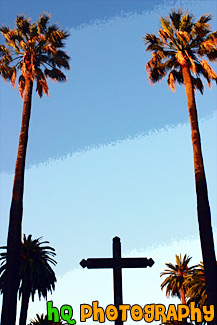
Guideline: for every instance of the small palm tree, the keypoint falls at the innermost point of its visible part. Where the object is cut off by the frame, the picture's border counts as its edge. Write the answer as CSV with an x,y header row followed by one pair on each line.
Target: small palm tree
x,y
175,282
35,273
42,320
179,52
35,51
196,285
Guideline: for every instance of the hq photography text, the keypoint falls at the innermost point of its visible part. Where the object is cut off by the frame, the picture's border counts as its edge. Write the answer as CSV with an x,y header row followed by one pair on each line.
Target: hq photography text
x,y
148,313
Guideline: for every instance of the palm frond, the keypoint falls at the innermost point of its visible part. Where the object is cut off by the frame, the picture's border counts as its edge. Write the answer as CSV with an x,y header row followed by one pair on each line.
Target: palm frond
x,y
155,68
23,25
42,23
184,37
42,87
21,85
196,286
201,28
163,35
175,18
173,77
192,65
7,72
35,47
151,39
186,23
10,37
5,52
33,31
210,42
55,74
209,47
13,77
56,36
60,59
4,30
165,23
208,72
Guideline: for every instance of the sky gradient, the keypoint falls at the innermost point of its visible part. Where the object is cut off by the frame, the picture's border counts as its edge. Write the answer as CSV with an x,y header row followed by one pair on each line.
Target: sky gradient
x,y
108,154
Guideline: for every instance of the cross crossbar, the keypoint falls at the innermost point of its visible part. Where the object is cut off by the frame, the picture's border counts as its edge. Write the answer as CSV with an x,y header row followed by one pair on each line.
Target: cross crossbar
x,y
108,263
117,263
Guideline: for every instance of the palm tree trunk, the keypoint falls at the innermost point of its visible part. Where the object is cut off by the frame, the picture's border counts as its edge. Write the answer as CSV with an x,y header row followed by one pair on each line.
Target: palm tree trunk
x,y
182,295
24,307
15,224
203,208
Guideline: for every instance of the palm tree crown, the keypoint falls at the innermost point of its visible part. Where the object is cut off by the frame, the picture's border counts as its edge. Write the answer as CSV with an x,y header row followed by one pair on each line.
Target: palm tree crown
x,y
34,262
181,39
35,51
35,272
174,283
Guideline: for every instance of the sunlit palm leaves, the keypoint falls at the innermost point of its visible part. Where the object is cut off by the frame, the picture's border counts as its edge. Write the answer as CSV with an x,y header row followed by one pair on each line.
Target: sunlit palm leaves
x,y
197,286
191,279
181,39
35,50
175,281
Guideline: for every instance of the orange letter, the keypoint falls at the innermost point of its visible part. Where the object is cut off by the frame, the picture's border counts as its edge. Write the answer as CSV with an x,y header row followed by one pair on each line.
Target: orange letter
x,y
111,313
171,313
98,311
136,312
208,314
195,311
149,313
124,309
83,315
160,311
182,315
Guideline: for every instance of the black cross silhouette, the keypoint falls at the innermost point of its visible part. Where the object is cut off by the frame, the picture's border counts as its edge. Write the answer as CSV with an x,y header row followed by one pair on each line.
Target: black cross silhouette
x,y
117,263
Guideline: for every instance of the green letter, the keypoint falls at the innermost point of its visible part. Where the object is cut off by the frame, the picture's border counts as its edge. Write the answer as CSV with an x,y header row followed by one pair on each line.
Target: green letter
x,y
67,316
52,310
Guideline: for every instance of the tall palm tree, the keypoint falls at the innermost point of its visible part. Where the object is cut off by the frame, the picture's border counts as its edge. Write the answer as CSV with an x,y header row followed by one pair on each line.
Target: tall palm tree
x,y
35,272
178,52
175,282
34,50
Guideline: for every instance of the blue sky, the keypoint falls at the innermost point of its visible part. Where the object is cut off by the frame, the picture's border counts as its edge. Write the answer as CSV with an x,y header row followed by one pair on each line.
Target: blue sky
x,y
108,153
110,98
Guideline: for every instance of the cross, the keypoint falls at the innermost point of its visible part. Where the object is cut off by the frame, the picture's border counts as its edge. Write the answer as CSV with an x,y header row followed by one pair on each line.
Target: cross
x,y
117,263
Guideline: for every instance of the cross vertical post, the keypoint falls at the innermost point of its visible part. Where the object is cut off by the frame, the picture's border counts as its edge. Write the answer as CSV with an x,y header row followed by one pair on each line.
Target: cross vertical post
x,y
117,278
117,263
